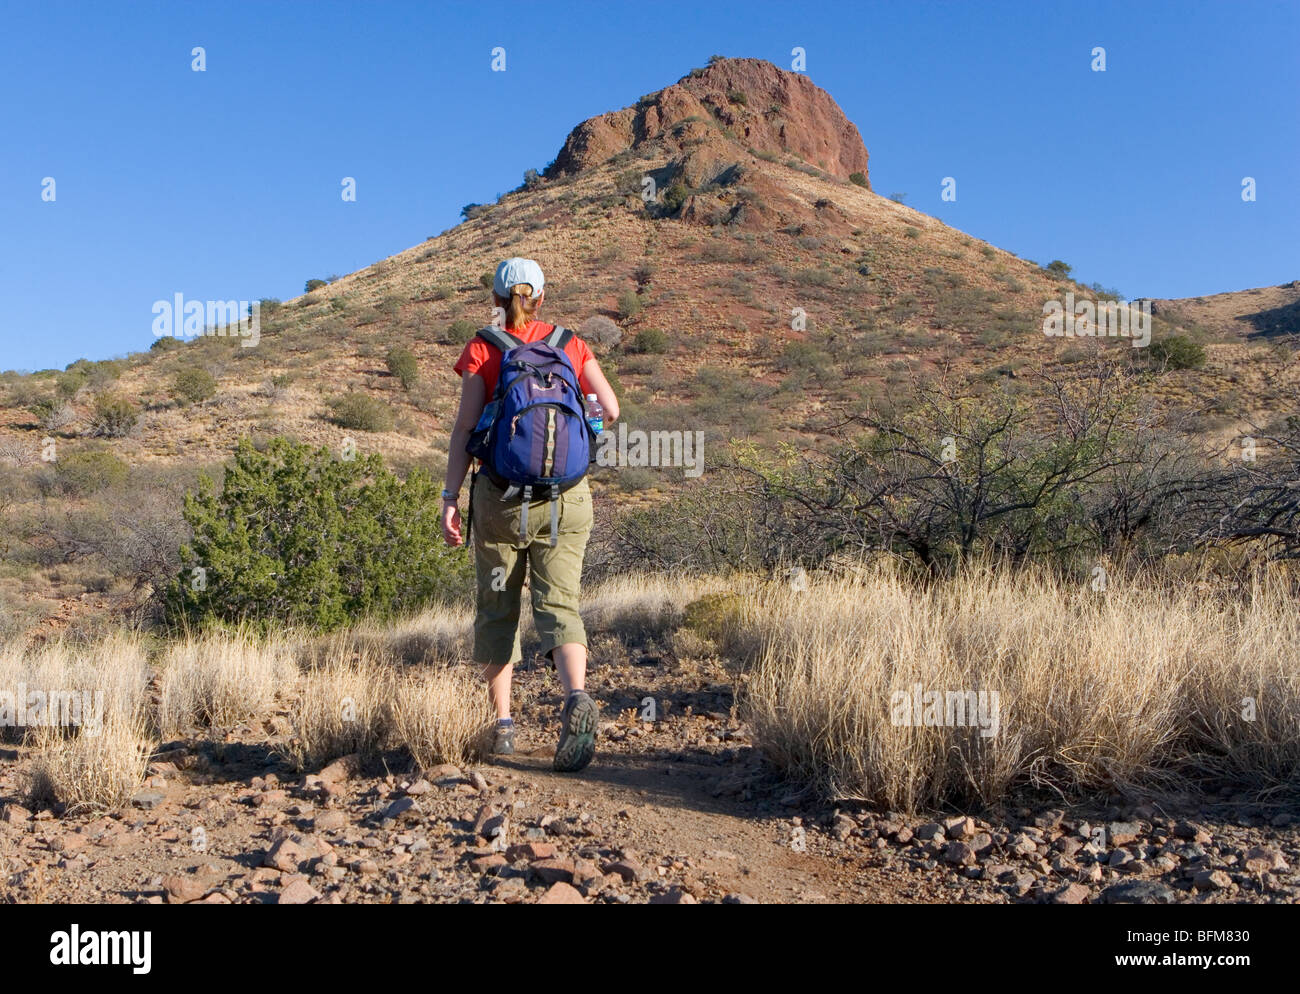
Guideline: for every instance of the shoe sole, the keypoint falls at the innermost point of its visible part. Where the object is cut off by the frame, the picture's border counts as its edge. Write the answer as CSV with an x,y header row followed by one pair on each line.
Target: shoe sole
x,y
577,745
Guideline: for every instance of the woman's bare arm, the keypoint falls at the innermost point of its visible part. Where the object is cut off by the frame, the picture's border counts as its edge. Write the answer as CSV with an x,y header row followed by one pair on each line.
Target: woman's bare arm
x,y
595,379
473,393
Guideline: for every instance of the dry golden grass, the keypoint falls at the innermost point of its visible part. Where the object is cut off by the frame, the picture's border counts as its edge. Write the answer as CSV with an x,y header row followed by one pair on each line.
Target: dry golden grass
x,y
221,680
89,771
1132,688
113,670
342,705
441,716
645,603
441,634
365,689
1145,685
100,762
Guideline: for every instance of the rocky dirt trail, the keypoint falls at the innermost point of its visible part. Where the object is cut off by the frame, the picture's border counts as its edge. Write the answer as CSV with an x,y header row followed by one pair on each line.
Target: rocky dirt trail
x,y
680,810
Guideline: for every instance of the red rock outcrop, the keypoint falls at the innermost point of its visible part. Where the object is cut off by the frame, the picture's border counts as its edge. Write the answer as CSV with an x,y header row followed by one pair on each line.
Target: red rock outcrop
x,y
766,108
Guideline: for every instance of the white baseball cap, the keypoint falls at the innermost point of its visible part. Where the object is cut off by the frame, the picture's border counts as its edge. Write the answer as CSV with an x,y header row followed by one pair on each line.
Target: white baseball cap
x,y
515,271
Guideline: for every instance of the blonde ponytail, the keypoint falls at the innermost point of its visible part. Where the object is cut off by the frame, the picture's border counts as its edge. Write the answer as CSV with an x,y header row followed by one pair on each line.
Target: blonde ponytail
x,y
521,306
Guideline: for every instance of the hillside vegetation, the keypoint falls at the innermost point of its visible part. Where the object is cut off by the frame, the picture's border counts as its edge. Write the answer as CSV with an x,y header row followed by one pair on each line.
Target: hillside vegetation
x,y
816,301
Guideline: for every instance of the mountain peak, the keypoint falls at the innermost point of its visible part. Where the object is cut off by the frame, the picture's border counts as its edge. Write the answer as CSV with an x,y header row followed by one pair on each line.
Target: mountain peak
x,y
749,101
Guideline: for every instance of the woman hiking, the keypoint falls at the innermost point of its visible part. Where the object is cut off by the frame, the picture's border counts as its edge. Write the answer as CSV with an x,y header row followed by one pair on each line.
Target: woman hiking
x,y
512,533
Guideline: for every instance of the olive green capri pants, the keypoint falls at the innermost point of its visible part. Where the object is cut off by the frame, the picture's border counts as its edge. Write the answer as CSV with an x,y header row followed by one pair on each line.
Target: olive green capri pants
x,y
501,562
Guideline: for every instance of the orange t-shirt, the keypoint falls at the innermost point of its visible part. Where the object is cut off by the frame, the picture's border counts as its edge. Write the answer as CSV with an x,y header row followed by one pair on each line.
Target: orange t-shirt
x,y
480,357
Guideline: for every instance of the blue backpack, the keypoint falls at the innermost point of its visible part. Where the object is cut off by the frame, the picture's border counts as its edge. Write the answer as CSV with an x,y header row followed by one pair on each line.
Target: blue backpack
x,y
533,436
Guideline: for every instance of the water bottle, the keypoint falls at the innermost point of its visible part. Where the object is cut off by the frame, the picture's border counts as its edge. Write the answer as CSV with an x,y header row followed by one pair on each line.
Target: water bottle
x,y
595,414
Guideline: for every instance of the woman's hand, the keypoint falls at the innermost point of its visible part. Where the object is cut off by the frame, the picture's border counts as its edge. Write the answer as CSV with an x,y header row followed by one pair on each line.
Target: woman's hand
x,y
451,524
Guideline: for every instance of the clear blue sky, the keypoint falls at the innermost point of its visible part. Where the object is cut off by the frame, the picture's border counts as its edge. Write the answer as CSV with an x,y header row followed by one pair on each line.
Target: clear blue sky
x,y
225,184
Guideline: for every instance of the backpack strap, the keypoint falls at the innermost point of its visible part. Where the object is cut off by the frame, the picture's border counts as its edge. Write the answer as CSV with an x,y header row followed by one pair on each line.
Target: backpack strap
x,y
469,511
558,338
523,516
499,337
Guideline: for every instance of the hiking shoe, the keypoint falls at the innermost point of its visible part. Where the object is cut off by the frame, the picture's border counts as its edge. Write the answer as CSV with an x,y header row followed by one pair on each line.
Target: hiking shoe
x,y
503,743
577,733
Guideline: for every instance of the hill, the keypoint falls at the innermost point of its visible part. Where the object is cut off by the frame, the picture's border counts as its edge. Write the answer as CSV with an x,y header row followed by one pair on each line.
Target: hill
x,y
1124,736
1270,313
729,215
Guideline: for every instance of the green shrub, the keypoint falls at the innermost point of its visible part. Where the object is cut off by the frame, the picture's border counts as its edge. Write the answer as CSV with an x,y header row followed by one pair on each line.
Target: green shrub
x,y
1009,281
814,277
717,250
166,343
84,373
402,364
635,479
629,304
390,304
858,179
1059,269
804,356
650,341
642,365
89,471
628,182
71,380
296,537
459,332
1177,352
361,412
675,196
53,413
487,280
713,615
113,417
738,97
194,385
911,232
315,285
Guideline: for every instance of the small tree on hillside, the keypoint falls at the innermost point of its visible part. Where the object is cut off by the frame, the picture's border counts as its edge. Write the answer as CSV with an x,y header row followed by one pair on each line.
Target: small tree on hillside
x,y
113,416
403,365
1176,352
194,385
297,537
